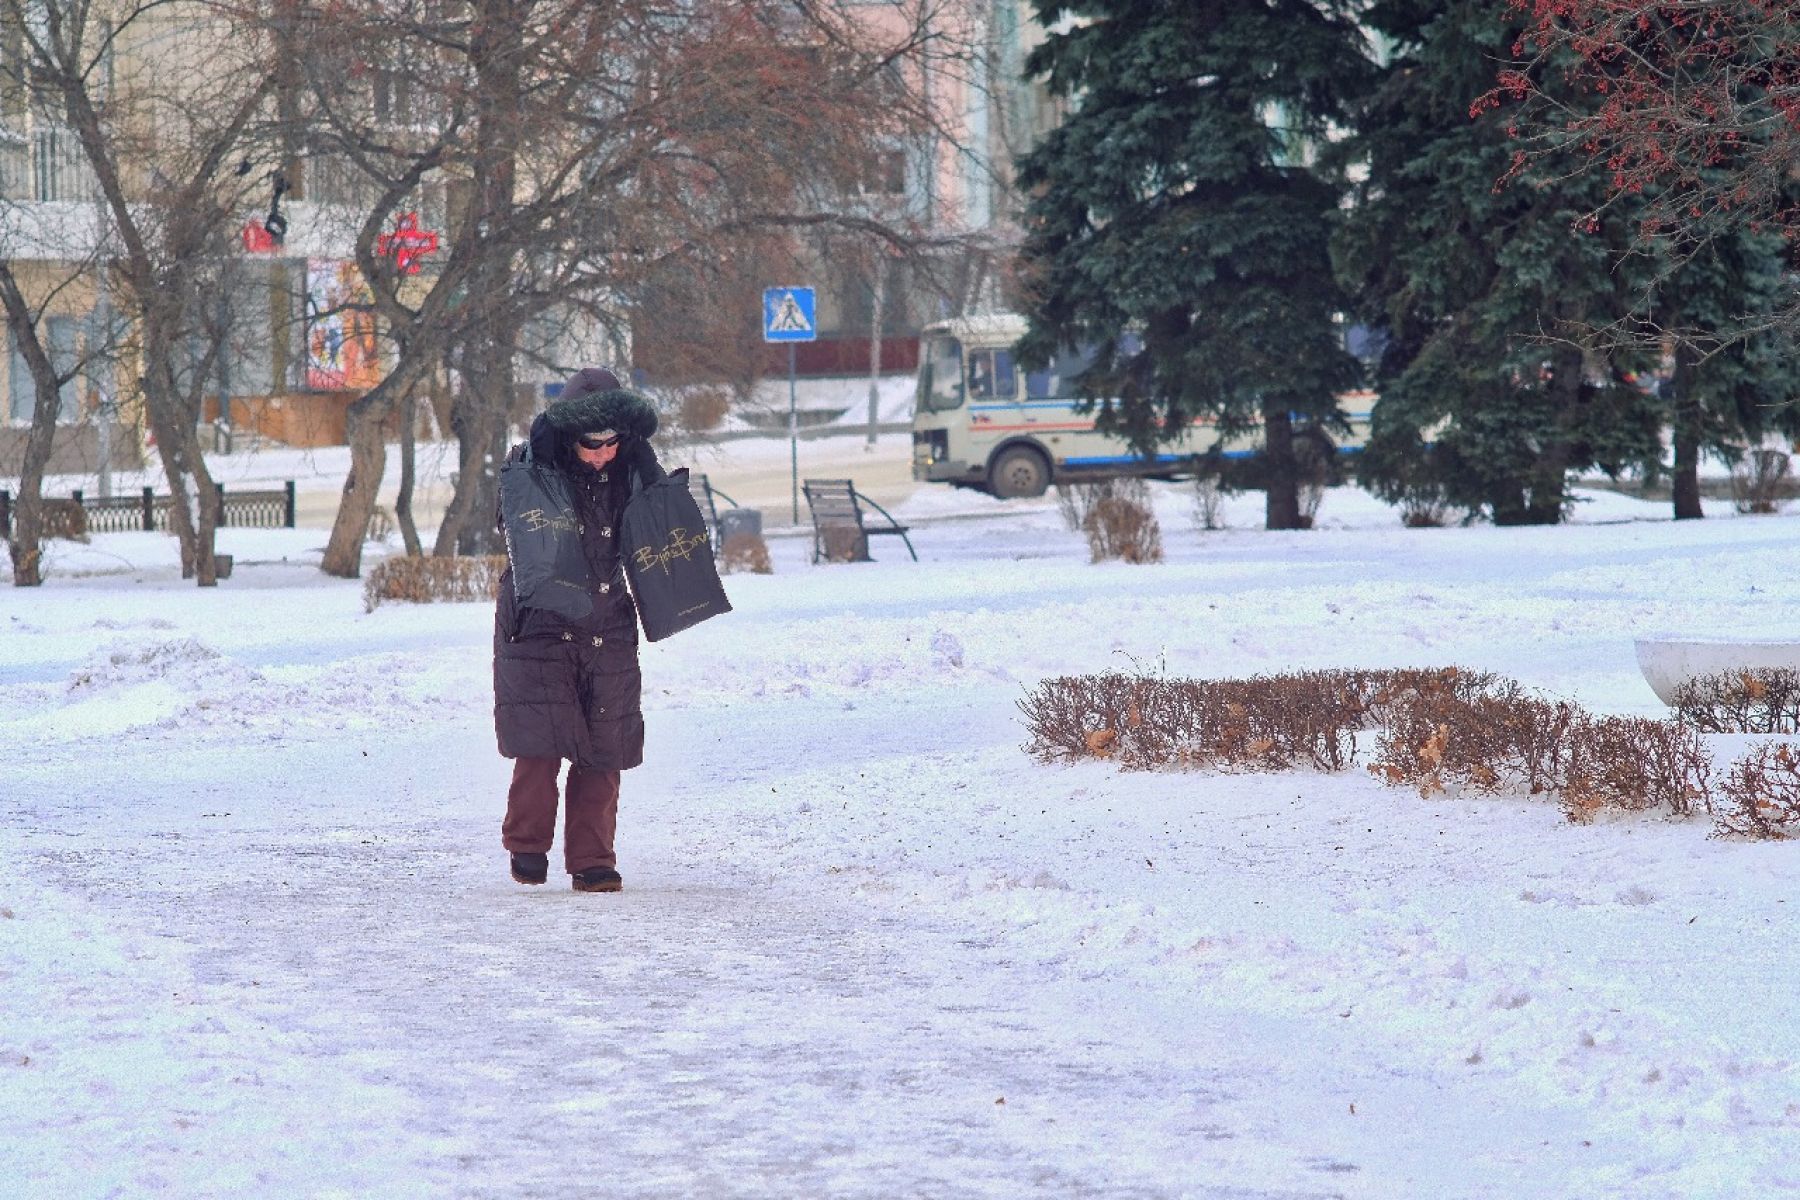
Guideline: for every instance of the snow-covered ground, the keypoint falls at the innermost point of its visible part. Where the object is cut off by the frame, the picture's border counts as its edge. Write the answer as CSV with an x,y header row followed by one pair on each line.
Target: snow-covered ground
x,y
257,936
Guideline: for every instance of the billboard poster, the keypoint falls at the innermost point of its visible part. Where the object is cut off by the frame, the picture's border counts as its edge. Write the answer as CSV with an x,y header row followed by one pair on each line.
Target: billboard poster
x,y
341,351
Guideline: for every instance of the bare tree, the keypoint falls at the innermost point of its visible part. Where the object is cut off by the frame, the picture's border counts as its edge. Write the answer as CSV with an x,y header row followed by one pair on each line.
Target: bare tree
x,y
161,96
589,150
25,322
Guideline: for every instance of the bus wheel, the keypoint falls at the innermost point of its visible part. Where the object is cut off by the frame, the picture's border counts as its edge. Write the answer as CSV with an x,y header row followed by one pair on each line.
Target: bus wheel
x,y
1019,472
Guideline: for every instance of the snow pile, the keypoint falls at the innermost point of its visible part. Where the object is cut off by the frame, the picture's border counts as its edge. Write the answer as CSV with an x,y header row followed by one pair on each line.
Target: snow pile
x,y
141,1079
184,683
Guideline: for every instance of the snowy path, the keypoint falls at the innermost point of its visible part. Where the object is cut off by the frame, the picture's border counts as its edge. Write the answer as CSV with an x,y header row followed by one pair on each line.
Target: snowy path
x,y
256,935
734,1024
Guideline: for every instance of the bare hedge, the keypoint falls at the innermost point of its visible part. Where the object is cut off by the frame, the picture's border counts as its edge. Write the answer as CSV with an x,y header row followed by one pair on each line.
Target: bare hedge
x,y
423,580
1761,795
1764,700
1433,730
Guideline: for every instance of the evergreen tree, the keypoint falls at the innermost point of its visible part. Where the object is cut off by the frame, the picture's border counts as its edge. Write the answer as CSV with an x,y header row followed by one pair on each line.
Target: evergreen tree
x,y
1734,376
1488,294
1174,221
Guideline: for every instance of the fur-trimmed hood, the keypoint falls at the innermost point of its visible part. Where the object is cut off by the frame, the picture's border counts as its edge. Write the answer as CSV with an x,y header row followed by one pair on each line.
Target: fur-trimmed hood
x,y
556,427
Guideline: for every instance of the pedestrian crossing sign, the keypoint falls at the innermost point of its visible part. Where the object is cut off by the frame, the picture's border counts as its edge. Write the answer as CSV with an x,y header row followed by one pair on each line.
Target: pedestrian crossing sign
x,y
788,315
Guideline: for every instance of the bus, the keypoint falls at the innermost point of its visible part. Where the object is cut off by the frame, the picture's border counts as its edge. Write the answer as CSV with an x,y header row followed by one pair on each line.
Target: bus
x,y
981,422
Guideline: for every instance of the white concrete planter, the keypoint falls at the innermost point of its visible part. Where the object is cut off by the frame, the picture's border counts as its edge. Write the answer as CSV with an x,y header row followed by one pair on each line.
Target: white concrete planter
x,y
1669,662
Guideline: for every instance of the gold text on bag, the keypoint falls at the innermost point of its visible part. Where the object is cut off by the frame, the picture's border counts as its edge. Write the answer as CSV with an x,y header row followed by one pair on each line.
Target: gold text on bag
x,y
536,519
679,545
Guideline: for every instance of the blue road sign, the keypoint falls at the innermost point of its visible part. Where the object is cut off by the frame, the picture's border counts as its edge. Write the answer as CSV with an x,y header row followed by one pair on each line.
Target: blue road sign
x,y
788,315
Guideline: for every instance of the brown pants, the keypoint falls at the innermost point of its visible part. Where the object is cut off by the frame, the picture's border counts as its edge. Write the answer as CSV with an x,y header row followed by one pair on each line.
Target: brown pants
x,y
590,813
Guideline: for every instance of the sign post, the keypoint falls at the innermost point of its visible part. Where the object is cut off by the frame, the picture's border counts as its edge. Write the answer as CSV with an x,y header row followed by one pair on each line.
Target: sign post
x,y
788,316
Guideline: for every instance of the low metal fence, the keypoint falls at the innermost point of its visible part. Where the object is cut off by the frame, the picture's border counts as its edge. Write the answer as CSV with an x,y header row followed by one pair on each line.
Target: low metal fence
x,y
272,509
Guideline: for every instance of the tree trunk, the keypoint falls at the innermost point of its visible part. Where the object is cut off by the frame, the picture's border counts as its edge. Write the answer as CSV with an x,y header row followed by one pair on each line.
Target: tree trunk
x,y
479,534
1686,477
1281,476
1549,486
403,514
205,495
1508,504
480,426
480,417
26,543
1550,474
879,302
368,462
469,454
1685,420
193,500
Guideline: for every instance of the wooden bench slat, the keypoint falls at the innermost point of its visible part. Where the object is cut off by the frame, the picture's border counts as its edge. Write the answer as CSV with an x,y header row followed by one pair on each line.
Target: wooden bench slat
x,y
835,504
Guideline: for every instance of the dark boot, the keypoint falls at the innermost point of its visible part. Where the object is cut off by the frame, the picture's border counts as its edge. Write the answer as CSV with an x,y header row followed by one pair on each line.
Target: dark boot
x,y
531,868
596,879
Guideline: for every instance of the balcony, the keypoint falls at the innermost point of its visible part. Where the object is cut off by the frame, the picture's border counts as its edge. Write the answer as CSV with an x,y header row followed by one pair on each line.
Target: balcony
x,y
44,164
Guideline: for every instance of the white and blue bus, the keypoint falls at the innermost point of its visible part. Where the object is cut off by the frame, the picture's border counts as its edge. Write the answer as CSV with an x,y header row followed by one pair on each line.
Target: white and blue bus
x,y
979,421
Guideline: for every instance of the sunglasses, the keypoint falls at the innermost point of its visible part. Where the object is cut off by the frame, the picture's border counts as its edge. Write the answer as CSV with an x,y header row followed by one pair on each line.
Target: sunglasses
x,y
591,441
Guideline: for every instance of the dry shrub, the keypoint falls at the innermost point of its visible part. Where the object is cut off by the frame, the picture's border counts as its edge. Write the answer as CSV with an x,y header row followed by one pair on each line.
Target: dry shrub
x,y
1125,529
1759,481
423,580
1076,501
1425,512
1209,502
746,552
1761,796
1634,764
1764,700
1269,723
1080,716
1437,730
703,408
844,544
1313,471
1380,692
1489,742
65,519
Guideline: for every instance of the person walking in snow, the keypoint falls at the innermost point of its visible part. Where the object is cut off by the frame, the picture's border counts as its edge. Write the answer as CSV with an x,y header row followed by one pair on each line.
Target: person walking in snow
x,y
567,689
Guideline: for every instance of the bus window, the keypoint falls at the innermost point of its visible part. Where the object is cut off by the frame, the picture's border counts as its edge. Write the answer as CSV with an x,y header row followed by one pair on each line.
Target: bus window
x,y
1059,381
992,375
940,382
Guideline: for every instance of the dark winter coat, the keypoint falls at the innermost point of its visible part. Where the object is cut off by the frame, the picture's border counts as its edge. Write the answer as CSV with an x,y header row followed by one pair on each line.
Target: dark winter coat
x,y
566,688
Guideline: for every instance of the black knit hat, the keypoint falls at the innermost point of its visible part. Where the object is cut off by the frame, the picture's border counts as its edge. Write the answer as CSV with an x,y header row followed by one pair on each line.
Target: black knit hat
x,y
590,381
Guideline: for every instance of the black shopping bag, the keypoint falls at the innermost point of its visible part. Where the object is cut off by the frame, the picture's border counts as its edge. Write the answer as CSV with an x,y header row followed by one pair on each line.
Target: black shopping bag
x,y
543,539
669,560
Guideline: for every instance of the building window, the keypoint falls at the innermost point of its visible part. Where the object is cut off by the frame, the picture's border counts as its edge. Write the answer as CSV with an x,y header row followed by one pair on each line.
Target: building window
x,y
59,339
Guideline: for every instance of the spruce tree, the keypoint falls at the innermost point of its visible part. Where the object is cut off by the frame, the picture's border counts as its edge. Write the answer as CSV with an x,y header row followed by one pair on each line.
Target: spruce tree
x,y
1734,376
1174,218
1490,297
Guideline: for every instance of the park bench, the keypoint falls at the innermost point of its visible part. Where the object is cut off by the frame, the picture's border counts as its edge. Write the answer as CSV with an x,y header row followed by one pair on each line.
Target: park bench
x,y
708,497
841,530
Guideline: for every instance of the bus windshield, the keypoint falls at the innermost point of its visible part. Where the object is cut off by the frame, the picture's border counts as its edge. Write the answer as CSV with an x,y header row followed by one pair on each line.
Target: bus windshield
x,y
941,379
